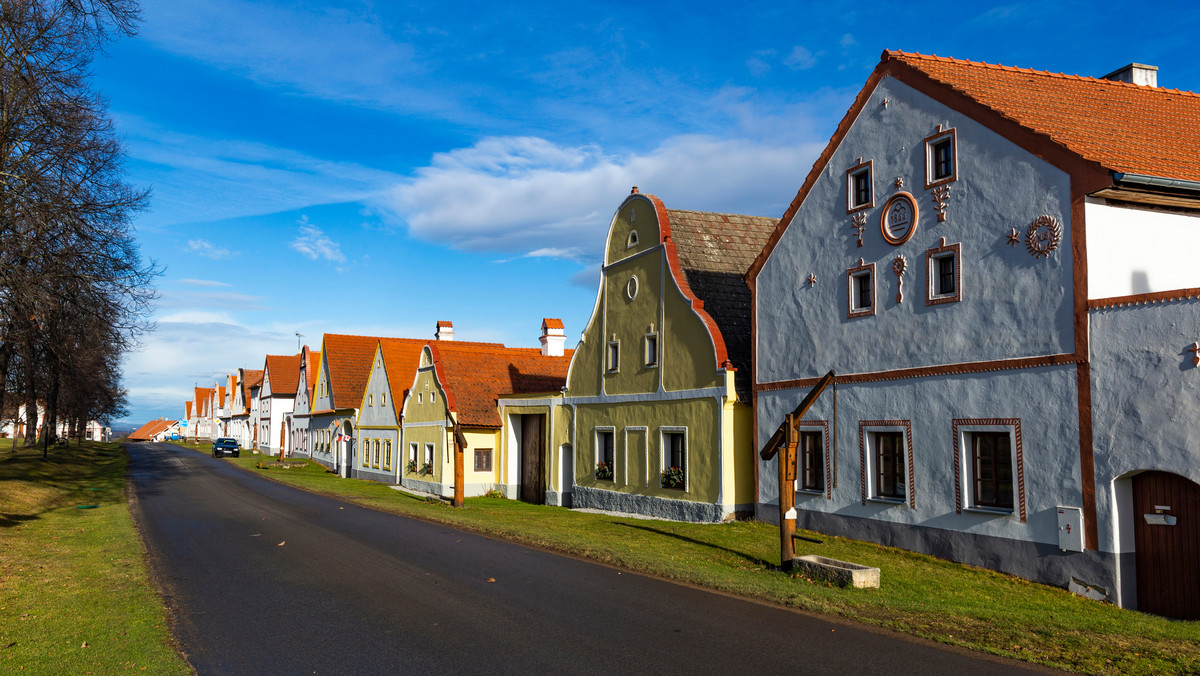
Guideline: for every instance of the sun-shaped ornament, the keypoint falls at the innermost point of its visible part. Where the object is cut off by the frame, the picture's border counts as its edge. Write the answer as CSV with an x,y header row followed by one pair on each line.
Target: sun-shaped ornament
x,y
1043,236
899,266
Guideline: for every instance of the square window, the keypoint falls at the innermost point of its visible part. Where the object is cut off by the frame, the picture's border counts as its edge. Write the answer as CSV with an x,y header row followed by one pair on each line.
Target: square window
x,y
943,274
890,473
860,193
941,158
860,290
674,460
811,475
387,454
614,356
605,456
989,473
652,349
376,463
483,460
429,454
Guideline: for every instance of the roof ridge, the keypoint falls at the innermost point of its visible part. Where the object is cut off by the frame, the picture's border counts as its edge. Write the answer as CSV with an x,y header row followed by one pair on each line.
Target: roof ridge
x,y
721,213
893,53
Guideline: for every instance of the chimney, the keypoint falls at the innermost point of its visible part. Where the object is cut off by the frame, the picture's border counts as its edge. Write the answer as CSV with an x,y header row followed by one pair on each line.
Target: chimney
x,y
1136,73
553,337
445,331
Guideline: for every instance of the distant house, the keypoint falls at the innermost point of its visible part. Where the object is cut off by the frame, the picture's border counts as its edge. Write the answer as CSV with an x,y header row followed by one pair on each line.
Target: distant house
x,y
277,396
379,414
156,430
244,407
459,382
998,265
201,422
303,441
659,386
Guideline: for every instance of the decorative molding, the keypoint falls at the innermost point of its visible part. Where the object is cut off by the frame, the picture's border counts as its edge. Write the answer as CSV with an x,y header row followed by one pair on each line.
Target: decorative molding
x,y
812,279
858,223
1195,350
899,265
1143,299
928,371
941,197
898,219
1043,236
930,254
1014,237
940,134
899,183
1019,470
869,269
868,166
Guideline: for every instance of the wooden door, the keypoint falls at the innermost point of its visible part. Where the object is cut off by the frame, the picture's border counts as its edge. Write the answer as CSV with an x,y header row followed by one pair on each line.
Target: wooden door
x,y
533,455
1167,544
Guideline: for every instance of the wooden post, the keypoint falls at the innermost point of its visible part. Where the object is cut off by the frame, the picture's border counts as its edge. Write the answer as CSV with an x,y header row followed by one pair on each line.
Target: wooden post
x,y
787,497
460,446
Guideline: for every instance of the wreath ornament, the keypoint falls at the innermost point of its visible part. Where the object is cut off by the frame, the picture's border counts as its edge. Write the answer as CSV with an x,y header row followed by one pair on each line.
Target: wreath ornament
x,y
1043,236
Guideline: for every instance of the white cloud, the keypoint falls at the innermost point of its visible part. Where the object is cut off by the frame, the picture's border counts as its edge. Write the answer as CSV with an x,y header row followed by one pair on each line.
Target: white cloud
x,y
848,40
205,248
314,243
800,59
529,195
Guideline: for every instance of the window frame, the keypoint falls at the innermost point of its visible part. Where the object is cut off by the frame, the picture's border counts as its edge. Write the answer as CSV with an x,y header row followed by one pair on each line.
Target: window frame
x,y
387,454
483,452
819,428
682,432
932,273
651,339
931,143
859,271
612,356
863,167
868,431
963,430
414,450
597,458
430,453
375,463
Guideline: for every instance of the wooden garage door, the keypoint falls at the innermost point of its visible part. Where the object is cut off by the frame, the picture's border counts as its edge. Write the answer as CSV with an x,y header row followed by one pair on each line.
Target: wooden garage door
x,y
1167,583
533,455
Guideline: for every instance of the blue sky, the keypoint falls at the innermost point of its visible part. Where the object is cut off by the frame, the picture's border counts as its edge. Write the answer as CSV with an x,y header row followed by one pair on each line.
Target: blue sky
x,y
374,167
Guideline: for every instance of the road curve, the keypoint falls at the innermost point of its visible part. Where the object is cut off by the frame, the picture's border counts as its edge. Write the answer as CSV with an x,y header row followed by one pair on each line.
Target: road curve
x,y
262,578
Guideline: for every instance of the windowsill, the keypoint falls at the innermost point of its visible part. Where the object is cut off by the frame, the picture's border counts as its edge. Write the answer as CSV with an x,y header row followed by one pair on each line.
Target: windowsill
x,y
990,511
810,492
651,366
886,501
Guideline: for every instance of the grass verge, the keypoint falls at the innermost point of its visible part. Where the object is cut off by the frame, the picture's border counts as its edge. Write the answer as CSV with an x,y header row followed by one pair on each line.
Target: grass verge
x,y
920,595
75,591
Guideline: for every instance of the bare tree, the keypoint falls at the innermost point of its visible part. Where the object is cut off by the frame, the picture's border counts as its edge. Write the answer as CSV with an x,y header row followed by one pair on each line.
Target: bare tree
x,y
74,289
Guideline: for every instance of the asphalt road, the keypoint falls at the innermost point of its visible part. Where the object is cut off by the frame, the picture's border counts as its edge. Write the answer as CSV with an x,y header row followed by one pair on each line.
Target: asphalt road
x,y
266,579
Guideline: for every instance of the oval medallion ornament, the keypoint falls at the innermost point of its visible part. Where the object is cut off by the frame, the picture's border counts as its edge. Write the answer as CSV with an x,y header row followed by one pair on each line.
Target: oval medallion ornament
x,y
898,222
1043,236
631,288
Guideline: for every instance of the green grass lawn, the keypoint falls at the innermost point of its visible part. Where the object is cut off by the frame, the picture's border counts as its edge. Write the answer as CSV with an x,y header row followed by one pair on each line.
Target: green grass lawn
x,y
75,591
920,595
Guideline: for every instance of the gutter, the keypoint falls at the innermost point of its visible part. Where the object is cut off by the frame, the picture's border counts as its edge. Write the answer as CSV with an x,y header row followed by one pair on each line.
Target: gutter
x,y
1143,181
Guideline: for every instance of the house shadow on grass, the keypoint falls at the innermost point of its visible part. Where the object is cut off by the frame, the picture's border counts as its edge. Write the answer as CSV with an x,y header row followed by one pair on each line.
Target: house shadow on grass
x,y
742,555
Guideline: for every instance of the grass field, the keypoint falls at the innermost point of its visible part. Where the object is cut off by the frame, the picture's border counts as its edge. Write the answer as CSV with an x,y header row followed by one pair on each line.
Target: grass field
x,y
75,593
920,595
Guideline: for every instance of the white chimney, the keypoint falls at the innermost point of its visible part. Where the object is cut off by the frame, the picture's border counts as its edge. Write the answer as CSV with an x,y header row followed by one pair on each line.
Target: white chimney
x,y
1136,73
445,331
554,338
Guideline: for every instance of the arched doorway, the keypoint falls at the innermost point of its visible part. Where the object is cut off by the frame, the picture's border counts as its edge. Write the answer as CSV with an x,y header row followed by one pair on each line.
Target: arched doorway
x,y
1166,535
346,447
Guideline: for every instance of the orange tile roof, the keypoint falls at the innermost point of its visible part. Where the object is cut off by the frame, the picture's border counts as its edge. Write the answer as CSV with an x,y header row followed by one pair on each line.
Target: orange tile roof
x,y
284,371
349,359
202,395
1124,127
552,323
473,376
187,409
310,372
146,432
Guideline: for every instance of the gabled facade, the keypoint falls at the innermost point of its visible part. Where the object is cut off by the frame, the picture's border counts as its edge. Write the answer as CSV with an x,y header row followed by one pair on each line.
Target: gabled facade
x,y
953,257
302,441
379,413
277,396
460,383
661,416
200,424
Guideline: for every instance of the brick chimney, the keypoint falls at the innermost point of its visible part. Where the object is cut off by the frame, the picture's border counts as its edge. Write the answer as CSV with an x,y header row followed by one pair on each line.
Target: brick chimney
x,y
445,331
1135,73
553,337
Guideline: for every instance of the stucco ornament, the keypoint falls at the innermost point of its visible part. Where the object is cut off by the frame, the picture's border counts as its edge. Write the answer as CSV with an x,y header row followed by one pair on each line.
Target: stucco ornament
x,y
941,197
812,279
631,288
1195,350
898,222
1043,236
899,266
858,223
1014,237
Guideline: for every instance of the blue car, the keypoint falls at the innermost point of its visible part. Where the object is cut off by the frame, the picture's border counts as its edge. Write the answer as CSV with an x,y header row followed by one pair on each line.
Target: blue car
x,y
226,445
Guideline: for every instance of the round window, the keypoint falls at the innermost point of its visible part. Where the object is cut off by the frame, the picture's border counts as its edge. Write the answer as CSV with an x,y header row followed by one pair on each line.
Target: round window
x,y
631,288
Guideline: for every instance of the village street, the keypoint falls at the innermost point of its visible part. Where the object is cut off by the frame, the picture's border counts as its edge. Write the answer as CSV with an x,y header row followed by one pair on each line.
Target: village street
x,y
264,578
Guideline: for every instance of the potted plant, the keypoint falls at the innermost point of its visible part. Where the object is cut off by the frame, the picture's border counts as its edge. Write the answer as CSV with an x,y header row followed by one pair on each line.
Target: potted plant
x,y
672,477
427,468
604,471
411,468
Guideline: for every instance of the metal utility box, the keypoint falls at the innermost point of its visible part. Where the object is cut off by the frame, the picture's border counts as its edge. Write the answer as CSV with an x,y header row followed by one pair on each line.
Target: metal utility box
x,y
1070,529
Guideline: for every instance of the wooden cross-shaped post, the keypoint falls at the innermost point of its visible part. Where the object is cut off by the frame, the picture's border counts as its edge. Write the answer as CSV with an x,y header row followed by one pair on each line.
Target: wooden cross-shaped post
x,y
785,444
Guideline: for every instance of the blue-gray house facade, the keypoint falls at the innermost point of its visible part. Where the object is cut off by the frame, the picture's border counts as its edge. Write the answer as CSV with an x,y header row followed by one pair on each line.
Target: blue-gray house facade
x,y
988,408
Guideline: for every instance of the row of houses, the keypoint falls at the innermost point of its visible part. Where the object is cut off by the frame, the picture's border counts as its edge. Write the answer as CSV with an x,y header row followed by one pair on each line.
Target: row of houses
x,y
995,262
14,424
